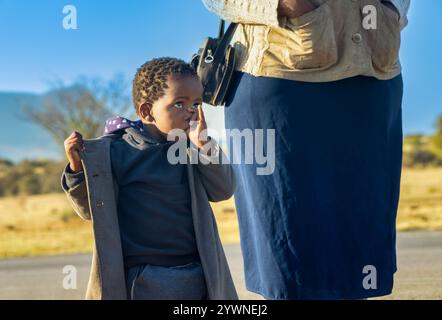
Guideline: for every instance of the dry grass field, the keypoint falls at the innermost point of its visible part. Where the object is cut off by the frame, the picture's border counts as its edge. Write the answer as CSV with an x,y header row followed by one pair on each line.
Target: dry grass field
x,y
420,205
46,225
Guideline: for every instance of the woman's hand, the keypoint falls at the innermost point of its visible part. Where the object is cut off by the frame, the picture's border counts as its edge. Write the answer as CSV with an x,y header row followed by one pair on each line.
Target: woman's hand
x,y
73,145
294,8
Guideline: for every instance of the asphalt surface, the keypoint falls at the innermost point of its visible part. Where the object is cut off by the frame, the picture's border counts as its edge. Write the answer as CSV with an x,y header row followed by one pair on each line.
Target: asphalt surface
x,y
419,273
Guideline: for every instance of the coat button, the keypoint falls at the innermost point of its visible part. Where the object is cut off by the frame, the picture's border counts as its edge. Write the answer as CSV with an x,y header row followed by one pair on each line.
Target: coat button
x,y
100,204
357,38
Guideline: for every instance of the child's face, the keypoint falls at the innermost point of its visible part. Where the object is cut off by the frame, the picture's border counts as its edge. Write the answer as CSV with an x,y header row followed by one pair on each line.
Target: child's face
x,y
179,103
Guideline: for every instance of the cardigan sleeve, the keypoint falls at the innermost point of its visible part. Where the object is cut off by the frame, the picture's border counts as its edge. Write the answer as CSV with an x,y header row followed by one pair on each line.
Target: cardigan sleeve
x,y
216,176
72,178
402,7
77,194
246,11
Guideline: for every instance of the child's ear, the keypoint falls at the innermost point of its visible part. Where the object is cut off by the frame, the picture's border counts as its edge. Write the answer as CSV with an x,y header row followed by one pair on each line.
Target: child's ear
x,y
145,112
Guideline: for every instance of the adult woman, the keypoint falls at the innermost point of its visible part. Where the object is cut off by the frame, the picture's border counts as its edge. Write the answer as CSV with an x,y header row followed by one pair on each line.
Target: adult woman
x,y
325,74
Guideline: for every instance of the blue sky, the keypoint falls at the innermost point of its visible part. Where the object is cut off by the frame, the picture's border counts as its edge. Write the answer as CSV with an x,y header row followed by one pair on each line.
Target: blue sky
x,y
118,36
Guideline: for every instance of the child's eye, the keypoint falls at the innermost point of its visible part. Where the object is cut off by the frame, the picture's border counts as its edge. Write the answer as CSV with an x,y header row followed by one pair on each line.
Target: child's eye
x,y
178,105
196,106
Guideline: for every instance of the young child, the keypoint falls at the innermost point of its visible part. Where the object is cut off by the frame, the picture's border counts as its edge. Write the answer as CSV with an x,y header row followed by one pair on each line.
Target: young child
x,y
155,233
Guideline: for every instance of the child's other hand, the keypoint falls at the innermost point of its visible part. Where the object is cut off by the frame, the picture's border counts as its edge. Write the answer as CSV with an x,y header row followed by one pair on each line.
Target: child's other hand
x,y
73,145
197,125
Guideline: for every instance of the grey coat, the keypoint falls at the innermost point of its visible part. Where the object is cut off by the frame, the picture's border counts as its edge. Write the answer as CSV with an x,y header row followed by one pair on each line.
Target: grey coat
x,y
95,199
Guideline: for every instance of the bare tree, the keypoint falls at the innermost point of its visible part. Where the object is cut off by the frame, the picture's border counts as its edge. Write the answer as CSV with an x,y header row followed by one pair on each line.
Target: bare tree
x,y
83,106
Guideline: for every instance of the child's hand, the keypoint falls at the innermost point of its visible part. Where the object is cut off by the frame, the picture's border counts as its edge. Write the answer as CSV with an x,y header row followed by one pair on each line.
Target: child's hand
x,y
73,145
197,125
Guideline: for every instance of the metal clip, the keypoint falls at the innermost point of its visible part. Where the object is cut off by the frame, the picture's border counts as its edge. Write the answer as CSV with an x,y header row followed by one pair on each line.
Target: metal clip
x,y
209,57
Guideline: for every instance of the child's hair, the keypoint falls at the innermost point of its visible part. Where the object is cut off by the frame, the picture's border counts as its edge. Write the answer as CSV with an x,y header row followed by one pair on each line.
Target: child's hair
x,y
150,82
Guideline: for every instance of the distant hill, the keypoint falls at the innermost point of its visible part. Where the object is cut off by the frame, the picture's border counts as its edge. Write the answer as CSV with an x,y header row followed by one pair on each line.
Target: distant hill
x,y
19,138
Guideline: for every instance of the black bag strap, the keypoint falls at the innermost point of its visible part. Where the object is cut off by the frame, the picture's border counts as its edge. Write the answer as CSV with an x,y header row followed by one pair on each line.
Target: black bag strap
x,y
221,29
225,39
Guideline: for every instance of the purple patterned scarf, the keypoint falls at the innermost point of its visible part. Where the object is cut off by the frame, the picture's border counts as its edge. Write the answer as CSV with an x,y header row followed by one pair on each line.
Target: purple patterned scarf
x,y
118,123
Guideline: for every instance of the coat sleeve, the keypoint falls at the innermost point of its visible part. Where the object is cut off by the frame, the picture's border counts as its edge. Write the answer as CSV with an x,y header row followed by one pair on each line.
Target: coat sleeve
x,y
76,192
246,11
402,7
216,174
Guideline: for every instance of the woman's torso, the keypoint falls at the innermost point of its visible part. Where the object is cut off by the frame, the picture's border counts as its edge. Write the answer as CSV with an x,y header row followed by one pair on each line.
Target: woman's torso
x,y
327,44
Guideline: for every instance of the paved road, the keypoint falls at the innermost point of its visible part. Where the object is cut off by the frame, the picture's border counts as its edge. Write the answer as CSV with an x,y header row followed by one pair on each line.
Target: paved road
x,y
419,275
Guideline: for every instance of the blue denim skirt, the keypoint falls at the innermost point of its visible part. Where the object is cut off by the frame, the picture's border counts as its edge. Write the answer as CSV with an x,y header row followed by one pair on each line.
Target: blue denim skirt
x,y
149,282
322,225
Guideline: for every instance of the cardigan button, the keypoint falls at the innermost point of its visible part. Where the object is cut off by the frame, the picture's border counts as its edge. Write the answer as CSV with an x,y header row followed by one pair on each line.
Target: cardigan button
x,y
357,38
100,204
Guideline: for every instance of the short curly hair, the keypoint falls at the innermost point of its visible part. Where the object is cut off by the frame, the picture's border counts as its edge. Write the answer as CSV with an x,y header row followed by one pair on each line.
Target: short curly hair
x,y
150,82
